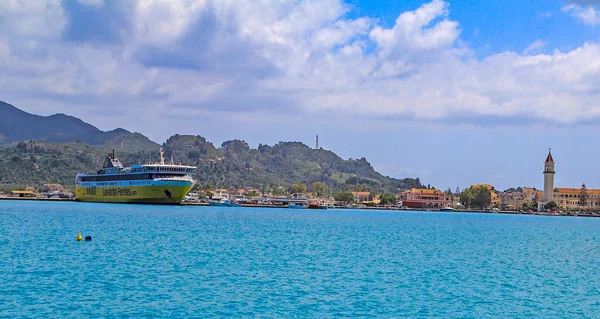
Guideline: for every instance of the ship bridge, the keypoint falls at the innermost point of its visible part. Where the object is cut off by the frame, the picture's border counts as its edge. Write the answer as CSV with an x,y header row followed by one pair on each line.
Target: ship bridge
x,y
158,168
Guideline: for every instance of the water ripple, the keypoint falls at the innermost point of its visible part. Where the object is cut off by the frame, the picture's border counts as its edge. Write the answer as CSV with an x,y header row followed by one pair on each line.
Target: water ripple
x,y
186,262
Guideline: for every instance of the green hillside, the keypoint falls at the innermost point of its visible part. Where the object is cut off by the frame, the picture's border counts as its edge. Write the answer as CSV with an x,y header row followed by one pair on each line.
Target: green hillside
x,y
53,149
234,164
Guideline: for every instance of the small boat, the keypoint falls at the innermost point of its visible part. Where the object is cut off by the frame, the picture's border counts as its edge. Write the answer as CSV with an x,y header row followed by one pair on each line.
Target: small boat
x,y
446,209
296,205
224,203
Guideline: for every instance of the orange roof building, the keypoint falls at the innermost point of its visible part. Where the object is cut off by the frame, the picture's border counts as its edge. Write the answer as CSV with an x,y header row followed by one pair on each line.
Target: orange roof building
x,y
425,198
569,198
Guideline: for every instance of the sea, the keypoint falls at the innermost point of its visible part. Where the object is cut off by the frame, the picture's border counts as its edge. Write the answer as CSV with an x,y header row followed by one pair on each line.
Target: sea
x,y
219,262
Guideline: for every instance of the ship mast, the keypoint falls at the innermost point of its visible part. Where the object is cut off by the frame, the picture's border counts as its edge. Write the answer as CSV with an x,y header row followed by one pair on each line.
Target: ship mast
x,y
162,158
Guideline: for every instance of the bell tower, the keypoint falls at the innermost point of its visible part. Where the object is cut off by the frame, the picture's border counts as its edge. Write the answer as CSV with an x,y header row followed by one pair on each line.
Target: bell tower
x,y
548,177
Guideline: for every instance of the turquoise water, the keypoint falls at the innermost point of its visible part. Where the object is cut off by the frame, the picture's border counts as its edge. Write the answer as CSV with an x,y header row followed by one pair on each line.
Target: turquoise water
x,y
157,261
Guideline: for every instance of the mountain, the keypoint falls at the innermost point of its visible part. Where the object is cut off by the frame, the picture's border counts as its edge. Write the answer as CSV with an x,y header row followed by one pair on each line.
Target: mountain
x,y
233,164
53,149
236,164
17,125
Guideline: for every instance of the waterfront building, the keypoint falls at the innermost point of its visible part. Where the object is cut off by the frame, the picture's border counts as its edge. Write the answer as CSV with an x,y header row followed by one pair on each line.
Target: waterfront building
x,y
221,193
515,200
362,196
23,193
425,198
512,200
532,195
569,198
566,198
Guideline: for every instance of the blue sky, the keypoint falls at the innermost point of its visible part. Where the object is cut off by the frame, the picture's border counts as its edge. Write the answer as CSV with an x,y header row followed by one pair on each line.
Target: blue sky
x,y
453,92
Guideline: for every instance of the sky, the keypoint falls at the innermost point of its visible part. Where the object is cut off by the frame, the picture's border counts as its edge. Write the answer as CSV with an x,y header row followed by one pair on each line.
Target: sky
x,y
453,92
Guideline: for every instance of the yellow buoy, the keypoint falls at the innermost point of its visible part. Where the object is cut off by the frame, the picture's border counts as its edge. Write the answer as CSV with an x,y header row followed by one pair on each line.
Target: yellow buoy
x,y
79,238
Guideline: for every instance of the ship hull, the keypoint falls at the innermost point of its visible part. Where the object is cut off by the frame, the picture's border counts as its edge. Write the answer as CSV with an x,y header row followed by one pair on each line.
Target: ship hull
x,y
155,192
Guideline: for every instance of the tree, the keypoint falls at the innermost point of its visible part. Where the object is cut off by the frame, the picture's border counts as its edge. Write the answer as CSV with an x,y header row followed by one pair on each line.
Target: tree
x,y
467,197
387,199
344,197
483,197
583,196
319,189
479,197
298,187
550,205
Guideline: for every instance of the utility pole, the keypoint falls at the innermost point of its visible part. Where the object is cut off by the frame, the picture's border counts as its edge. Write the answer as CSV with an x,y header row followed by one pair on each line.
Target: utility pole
x,y
317,144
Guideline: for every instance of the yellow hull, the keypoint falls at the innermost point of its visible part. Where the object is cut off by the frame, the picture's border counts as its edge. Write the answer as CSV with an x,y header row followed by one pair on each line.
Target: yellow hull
x,y
147,194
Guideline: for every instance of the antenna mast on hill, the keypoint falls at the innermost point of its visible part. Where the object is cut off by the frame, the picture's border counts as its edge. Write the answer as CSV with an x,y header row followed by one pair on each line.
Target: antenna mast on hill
x,y
317,144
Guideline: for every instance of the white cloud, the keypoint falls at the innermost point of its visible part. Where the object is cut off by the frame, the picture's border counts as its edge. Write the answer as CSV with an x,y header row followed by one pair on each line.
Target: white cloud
x,y
413,32
296,57
586,14
535,47
32,18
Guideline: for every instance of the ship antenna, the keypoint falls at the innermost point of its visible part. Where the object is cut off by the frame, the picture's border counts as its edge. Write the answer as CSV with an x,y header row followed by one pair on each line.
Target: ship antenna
x,y
113,155
162,158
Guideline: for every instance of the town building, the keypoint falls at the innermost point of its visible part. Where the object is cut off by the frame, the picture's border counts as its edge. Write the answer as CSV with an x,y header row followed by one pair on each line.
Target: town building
x,y
515,200
532,195
362,196
566,198
569,199
512,200
425,198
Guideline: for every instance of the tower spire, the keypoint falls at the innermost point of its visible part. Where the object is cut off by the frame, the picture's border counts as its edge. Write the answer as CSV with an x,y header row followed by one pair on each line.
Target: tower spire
x,y
549,158
549,177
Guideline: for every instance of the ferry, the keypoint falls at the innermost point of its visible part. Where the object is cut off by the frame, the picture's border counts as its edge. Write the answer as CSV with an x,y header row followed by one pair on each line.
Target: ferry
x,y
148,184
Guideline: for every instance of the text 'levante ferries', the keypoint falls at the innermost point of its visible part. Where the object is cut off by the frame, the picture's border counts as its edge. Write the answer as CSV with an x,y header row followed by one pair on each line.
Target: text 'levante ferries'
x,y
152,183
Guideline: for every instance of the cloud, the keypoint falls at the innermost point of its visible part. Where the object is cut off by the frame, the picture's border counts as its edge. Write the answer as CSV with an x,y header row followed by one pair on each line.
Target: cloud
x,y
287,58
413,31
535,46
32,18
587,14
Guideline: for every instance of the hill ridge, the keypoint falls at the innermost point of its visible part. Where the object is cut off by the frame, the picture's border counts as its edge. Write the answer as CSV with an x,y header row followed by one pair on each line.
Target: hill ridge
x,y
55,156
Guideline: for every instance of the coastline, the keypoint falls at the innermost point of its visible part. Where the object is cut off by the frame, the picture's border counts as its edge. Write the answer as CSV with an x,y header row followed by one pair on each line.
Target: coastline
x,y
366,208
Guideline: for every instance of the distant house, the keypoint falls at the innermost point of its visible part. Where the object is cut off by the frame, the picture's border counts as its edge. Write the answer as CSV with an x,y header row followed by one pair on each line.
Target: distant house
x,y
362,196
27,193
512,200
425,198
